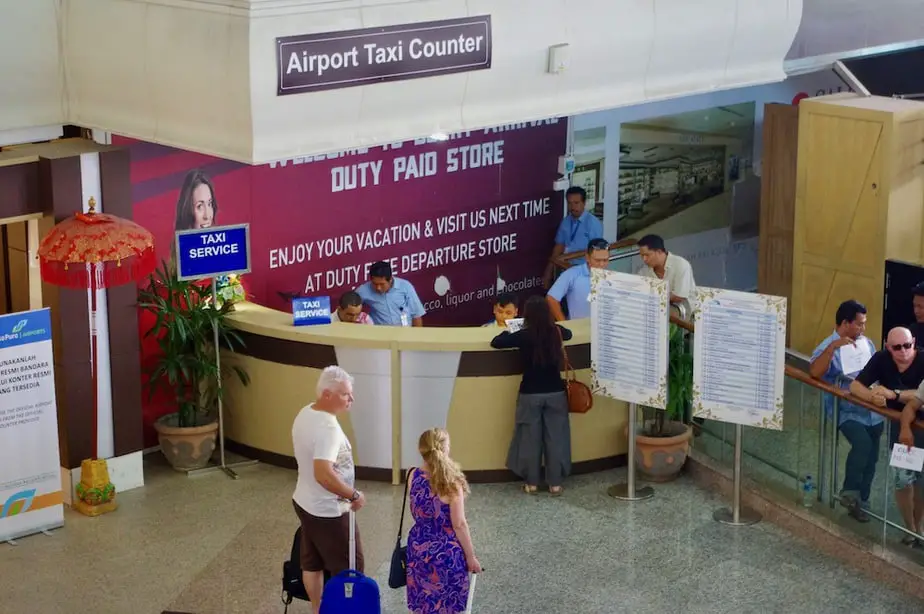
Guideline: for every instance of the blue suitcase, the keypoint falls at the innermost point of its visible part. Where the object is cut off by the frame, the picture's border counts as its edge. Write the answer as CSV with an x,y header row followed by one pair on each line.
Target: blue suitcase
x,y
350,592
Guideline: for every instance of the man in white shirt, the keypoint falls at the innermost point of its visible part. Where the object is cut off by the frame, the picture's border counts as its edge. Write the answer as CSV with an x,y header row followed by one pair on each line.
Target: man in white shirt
x,y
672,268
324,493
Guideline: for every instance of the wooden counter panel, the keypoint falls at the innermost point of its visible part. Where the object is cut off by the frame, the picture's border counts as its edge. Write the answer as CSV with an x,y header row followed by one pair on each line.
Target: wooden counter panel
x,y
286,351
507,362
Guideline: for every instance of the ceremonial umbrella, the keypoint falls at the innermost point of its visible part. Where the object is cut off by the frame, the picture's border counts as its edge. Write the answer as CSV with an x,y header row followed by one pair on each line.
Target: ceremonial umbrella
x,y
93,251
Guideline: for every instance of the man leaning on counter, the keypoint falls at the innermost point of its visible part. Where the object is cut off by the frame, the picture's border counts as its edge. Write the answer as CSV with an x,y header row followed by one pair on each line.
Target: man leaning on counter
x,y
574,283
392,301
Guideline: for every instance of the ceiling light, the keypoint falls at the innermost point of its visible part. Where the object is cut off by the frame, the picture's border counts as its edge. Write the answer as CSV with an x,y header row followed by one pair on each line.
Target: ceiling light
x,y
439,136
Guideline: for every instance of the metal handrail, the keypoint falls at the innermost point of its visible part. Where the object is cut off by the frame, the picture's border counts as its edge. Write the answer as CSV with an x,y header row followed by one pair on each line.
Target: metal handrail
x,y
632,253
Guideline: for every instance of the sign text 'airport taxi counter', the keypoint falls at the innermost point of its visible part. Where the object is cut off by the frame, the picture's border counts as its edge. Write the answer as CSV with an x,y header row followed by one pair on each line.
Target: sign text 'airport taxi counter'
x,y
406,381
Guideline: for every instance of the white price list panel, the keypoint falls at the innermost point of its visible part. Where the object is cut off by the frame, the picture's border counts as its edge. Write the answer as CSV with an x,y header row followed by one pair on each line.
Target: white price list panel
x,y
629,318
739,351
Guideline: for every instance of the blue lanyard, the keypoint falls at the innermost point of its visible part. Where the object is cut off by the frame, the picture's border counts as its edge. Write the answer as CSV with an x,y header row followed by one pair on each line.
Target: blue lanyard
x,y
575,226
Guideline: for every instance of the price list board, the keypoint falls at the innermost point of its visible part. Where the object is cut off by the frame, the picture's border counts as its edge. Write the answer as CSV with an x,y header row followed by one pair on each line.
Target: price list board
x,y
739,352
629,318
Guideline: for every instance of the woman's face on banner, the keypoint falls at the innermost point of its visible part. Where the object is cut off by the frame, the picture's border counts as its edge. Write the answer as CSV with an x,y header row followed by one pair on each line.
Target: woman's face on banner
x,y
202,206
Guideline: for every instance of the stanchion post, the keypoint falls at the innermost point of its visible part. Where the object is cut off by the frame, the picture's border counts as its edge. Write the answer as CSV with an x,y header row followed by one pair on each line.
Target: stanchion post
x,y
628,490
737,516
226,468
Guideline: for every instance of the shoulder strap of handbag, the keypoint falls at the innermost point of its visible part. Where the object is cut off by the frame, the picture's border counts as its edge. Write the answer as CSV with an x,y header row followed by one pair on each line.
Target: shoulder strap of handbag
x,y
569,370
407,485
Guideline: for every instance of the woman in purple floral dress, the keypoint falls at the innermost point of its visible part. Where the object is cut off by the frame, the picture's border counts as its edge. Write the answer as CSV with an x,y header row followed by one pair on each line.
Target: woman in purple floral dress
x,y
440,554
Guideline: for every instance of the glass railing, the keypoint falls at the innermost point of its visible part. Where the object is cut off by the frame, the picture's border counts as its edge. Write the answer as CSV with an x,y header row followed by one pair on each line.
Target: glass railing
x,y
811,445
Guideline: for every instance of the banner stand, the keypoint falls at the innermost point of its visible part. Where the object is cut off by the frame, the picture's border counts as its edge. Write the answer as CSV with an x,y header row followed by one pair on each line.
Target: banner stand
x,y
226,468
737,516
31,495
628,490
13,542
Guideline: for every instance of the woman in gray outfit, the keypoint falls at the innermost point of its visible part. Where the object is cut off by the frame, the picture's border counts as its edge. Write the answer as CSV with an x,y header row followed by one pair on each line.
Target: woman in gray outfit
x,y
542,425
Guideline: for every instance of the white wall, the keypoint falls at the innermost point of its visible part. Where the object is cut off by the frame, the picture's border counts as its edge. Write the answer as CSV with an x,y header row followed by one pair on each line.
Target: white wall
x,y
31,69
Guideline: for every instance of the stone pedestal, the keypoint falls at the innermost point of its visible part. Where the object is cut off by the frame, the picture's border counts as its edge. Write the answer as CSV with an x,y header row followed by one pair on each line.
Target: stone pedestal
x,y
95,493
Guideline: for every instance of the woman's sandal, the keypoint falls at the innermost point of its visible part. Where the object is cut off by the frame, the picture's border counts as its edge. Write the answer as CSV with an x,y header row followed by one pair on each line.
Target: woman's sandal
x,y
556,491
530,490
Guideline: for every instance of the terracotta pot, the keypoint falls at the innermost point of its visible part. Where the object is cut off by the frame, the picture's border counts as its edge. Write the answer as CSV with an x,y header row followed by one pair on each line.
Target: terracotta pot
x,y
660,459
186,448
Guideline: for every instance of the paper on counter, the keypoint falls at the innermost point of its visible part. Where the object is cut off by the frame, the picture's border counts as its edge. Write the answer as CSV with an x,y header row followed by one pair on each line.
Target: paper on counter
x,y
514,324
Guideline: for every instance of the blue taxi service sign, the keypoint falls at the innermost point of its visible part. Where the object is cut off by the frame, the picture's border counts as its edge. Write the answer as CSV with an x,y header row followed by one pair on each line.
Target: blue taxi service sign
x,y
311,310
212,252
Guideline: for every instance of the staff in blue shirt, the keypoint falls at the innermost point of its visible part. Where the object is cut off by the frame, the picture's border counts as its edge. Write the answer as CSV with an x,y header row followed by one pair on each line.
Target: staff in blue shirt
x,y
391,301
574,284
861,427
575,230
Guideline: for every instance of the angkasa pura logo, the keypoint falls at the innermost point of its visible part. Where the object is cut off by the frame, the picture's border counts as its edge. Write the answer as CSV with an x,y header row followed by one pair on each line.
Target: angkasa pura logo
x,y
18,503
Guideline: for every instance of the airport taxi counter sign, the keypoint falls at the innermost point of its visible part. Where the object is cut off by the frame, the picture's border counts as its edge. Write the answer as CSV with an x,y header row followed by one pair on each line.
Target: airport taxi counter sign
x,y
30,475
332,60
211,252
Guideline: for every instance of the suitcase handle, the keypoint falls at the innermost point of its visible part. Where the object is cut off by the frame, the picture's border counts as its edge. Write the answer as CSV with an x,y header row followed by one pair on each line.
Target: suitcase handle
x,y
352,539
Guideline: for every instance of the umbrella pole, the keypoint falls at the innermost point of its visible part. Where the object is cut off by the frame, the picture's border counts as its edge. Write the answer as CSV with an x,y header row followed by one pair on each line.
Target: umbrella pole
x,y
95,492
94,368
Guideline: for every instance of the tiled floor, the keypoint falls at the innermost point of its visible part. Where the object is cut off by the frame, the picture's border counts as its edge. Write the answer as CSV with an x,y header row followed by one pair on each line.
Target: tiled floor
x,y
209,545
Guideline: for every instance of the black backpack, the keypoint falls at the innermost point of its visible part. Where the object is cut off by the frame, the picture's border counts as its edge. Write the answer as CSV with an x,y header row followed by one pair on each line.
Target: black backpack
x,y
292,585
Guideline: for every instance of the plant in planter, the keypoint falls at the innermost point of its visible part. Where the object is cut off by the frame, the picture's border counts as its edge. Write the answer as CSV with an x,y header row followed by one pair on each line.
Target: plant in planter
x,y
663,444
183,327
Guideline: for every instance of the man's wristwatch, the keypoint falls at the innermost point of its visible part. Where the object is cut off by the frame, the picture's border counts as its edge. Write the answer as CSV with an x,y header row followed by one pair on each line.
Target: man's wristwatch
x,y
898,393
354,496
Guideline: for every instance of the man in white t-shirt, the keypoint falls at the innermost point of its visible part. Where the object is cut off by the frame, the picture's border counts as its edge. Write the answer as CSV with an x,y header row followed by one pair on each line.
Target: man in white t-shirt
x,y
675,270
324,493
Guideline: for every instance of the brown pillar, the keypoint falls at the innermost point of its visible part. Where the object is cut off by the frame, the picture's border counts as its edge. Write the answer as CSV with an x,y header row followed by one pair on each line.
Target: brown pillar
x,y
59,180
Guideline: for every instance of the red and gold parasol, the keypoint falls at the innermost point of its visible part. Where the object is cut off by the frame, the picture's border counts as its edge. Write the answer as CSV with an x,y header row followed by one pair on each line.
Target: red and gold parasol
x,y
93,251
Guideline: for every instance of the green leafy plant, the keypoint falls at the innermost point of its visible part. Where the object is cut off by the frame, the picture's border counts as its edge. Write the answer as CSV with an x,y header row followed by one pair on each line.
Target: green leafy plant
x,y
184,329
679,385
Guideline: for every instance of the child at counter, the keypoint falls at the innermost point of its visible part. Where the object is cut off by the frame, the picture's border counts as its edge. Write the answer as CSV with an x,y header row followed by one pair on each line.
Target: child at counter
x,y
505,308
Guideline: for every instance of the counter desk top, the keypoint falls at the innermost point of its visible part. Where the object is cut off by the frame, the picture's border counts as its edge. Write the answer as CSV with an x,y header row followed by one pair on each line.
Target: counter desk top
x,y
406,381
258,320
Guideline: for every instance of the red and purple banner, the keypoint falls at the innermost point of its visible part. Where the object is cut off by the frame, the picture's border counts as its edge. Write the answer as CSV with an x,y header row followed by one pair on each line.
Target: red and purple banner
x,y
453,217
458,218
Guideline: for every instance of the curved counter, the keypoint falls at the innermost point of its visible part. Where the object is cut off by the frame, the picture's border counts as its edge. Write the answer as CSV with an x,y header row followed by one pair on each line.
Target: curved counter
x,y
406,381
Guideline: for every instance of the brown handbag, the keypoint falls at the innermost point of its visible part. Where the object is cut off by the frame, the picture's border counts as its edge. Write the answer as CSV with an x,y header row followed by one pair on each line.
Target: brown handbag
x,y
580,397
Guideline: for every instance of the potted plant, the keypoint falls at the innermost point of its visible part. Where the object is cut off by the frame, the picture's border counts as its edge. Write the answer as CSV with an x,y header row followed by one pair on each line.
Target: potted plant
x,y
662,446
184,329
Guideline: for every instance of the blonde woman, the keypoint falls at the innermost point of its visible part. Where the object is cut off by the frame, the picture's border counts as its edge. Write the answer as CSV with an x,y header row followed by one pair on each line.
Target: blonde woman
x,y
440,553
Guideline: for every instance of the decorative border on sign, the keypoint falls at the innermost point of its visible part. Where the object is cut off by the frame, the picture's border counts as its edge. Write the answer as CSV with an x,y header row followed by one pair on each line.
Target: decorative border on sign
x,y
775,305
601,279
